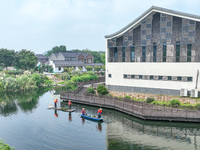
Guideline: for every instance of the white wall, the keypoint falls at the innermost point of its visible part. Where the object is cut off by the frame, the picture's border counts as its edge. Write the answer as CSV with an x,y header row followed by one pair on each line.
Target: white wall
x,y
160,69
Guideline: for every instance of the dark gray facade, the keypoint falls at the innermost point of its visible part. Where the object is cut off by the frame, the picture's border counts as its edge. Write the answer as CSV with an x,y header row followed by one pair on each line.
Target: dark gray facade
x,y
159,37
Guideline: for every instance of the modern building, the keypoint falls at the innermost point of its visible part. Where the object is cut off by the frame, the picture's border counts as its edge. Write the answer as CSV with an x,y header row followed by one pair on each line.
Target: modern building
x,y
159,53
71,59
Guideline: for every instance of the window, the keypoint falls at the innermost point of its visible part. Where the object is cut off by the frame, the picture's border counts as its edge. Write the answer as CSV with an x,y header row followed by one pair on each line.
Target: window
x,y
189,48
125,76
169,77
115,52
160,77
179,78
109,76
189,79
164,52
59,68
140,76
123,54
154,52
132,76
168,24
148,25
177,51
151,77
132,54
84,60
143,53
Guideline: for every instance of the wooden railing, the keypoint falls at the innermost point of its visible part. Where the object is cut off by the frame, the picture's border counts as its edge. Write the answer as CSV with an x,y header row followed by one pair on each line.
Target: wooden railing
x,y
138,109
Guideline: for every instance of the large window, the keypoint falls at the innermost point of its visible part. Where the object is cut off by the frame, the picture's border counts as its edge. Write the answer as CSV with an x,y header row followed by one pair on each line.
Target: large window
x,y
154,52
132,54
123,54
177,51
189,49
143,53
115,52
164,53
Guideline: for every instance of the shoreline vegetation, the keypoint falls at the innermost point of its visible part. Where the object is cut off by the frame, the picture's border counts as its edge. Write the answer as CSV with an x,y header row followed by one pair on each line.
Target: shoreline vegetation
x,y
22,81
4,146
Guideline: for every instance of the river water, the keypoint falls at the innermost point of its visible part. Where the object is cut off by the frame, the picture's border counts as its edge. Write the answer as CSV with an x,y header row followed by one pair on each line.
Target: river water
x,y
27,124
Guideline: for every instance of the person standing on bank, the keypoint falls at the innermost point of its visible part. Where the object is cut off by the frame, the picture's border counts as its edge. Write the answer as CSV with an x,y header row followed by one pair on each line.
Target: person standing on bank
x,y
69,103
55,103
99,111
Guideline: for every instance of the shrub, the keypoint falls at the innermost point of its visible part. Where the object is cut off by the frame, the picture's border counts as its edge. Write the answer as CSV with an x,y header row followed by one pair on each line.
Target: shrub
x,y
4,146
175,102
197,106
102,90
90,90
127,97
97,68
149,99
89,68
90,72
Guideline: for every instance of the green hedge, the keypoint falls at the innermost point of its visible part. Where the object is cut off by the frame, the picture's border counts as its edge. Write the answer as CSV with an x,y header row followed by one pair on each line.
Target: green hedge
x,y
84,78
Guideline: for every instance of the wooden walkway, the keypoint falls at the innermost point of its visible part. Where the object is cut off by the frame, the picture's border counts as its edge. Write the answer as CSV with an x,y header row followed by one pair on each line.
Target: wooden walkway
x,y
138,109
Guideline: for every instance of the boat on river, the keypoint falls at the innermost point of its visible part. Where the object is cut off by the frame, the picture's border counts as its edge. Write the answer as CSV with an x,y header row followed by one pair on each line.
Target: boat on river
x,y
94,118
62,109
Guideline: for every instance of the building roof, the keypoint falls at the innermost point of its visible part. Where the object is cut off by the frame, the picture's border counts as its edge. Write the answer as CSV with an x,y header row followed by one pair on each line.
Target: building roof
x,y
70,54
56,54
93,64
67,63
149,11
40,56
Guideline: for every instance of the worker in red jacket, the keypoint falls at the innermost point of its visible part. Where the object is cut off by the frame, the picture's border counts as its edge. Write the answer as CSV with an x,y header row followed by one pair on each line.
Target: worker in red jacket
x,y
69,103
99,111
83,112
55,103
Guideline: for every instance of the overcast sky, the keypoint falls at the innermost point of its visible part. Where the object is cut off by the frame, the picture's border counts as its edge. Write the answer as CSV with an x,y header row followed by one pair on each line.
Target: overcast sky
x,y
39,25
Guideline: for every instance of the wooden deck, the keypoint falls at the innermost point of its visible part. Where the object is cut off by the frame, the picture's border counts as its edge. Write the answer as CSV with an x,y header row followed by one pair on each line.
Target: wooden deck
x,y
138,109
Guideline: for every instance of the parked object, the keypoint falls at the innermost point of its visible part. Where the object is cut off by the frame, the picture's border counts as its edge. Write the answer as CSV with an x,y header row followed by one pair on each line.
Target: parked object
x,y
93,118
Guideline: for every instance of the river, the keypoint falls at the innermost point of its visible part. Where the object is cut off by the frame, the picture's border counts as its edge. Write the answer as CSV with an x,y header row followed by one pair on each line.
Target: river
x,y
27,124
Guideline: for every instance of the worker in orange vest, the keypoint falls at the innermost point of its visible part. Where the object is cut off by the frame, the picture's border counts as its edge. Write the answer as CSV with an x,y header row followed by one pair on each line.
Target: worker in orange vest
x,y
83,112
69,103
99,111
55,103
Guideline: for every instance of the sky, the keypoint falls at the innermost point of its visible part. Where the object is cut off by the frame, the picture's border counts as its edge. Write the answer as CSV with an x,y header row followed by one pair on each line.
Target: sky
x,y
39,25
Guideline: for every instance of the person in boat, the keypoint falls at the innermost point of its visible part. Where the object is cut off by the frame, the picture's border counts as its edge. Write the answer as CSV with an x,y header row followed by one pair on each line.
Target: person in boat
x,y
55,103
69,103
99,112
83,112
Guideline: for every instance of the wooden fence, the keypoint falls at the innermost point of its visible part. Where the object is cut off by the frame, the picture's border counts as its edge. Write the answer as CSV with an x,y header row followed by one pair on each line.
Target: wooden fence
x,y
138,109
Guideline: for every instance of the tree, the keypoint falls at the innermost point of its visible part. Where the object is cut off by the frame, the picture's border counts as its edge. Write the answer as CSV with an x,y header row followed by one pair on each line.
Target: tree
x,y
25,60
6,57
103,58
57,49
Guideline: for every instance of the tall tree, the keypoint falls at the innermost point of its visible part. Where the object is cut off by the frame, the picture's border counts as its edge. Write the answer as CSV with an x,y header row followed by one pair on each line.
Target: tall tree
x,y
25,60
57,49
6,57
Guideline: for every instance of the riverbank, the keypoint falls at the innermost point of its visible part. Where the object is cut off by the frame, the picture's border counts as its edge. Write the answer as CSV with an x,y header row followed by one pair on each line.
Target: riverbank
x,y
138,109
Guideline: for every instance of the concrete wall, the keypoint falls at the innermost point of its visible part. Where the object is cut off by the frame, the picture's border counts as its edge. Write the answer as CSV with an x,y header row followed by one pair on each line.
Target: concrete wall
x,y
117,70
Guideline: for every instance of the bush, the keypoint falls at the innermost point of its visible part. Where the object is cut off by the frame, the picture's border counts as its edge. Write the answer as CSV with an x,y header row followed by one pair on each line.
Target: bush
x,y
90,72
89,68
127,97
175,102
149,99
102,90
197,106
4,146
90,90
97,68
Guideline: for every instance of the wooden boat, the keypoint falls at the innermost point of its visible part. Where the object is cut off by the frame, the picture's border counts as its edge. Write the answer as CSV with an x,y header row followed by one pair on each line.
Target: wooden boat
x,y
63,109
91,118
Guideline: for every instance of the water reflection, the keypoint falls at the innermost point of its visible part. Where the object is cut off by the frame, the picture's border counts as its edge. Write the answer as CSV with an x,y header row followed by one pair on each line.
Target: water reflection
x,y
126,132
27,101
70,116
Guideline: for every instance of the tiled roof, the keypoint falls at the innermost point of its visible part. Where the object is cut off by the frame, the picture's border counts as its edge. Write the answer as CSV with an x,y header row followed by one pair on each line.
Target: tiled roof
x,y
69,54
67,63
40,56
93,64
